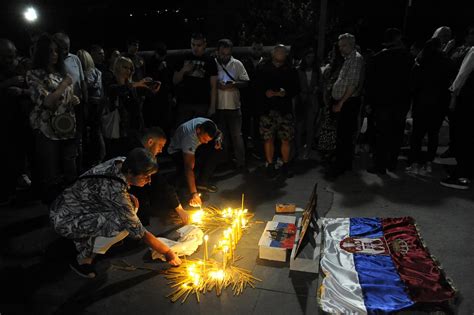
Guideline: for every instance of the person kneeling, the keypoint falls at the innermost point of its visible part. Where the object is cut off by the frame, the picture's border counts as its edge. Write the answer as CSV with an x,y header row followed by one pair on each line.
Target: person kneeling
x,y
97,211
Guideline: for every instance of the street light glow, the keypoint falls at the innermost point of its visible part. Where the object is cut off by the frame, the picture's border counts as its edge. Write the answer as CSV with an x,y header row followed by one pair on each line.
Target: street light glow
x,y
30,14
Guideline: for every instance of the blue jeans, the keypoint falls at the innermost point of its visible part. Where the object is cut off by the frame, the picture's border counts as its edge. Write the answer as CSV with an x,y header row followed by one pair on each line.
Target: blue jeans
x,y
230,123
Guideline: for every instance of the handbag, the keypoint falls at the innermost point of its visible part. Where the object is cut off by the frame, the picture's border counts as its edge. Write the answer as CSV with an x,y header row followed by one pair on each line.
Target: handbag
x,y
63,125
110,121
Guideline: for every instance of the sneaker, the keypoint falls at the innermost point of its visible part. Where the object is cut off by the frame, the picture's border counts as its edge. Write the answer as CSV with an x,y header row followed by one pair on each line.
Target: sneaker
x,y
270,170
447,154
456,183
278,163
85,270
414,168
207,188
286,171
23,182
428,167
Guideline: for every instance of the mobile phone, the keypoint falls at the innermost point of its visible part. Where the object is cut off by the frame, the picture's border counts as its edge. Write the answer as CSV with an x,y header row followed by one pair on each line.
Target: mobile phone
x,y
153,84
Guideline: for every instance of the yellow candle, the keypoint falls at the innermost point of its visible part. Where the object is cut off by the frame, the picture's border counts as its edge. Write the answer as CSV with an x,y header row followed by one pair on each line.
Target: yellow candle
x,y
224,257
232,246
206,257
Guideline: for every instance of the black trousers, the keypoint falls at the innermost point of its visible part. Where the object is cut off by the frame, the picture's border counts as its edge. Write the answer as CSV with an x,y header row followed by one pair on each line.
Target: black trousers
x,y
156,199
346,129
425,124
206,161
389,127
464,135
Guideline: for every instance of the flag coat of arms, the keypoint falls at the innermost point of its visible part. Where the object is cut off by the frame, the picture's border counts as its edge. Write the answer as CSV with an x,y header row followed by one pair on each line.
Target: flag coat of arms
x,y
378,266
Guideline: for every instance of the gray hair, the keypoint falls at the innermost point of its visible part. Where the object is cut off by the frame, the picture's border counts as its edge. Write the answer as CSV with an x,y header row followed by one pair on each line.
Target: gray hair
x,y
349,38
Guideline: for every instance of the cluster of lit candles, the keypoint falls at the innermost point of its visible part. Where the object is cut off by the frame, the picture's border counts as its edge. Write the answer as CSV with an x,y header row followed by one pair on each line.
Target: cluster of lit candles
x,y
199,276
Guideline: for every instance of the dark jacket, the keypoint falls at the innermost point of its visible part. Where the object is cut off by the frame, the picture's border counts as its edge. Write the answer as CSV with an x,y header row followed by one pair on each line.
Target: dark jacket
x,y
388,74
430,81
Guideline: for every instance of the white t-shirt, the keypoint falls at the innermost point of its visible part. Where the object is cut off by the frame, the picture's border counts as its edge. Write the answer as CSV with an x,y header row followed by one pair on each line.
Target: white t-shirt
x,y
185,138
230,99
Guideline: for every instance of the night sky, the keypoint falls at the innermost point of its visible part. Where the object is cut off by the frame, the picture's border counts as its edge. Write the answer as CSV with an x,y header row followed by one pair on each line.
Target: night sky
x,y
107,23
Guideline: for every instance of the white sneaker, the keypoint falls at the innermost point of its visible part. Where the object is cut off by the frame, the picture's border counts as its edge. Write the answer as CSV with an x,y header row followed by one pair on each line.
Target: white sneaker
x,y
428,167
413,169
278,163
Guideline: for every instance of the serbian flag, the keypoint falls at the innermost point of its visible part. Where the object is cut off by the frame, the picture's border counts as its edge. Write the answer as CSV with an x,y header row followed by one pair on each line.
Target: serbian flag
x,y
377,266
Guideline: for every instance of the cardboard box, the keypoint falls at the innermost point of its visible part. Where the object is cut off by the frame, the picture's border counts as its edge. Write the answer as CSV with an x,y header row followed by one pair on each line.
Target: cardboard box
x,y
276,240
285,208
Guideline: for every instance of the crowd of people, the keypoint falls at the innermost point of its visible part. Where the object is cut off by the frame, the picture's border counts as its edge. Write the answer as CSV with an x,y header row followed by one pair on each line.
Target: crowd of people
x,y
84,130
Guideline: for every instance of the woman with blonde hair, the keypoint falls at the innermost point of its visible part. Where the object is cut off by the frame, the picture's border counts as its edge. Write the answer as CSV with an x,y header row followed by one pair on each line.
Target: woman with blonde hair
x,y
124,100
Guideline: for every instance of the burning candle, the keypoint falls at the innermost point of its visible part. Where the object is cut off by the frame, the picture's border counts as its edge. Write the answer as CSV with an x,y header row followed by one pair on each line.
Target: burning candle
x,y
231,241
206,257
224,257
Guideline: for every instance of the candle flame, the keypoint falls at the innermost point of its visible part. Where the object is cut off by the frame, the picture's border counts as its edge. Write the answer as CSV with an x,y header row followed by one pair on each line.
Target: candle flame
x,y
217,275
196,217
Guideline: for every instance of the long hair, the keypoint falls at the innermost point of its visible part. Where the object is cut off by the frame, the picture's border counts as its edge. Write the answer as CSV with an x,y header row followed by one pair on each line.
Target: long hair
x,y
121,61
41,54
86,60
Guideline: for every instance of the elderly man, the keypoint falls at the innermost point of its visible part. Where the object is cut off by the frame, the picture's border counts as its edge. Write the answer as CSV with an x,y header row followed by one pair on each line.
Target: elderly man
x,y
346,99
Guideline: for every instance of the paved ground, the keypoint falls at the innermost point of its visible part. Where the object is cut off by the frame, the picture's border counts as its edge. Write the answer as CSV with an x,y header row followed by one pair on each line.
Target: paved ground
x,y
36,280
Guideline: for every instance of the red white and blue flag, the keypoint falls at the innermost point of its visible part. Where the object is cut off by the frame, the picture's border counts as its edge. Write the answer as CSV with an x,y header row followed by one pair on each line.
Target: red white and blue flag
x,y
377,266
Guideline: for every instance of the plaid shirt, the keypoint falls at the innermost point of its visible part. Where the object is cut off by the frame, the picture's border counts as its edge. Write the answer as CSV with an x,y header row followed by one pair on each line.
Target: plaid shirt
x,y
350,75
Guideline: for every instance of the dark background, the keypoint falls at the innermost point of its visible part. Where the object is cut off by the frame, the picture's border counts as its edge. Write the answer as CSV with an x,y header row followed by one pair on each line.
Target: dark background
x,y
109,23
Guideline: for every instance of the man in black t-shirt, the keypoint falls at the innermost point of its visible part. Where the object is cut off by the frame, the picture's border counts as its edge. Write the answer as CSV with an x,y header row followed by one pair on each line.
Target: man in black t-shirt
x,y
195,77
276,84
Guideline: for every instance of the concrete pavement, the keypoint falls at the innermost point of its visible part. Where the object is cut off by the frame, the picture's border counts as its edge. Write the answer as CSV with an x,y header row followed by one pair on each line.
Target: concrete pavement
x,y
37,280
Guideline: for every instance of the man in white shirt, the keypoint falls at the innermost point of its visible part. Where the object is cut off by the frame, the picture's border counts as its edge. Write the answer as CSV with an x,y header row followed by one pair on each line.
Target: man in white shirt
x,y
231,76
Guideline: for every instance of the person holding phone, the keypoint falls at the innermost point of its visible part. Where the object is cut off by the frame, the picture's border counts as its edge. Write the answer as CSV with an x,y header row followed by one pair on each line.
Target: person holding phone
x,y
195,80
232,76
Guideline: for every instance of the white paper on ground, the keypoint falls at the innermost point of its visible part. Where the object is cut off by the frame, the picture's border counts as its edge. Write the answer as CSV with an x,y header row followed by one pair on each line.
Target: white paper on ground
x,y
190,237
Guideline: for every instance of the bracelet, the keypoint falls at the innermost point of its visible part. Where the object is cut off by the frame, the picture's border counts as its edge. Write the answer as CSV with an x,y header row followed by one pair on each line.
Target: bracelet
x,y
193,193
